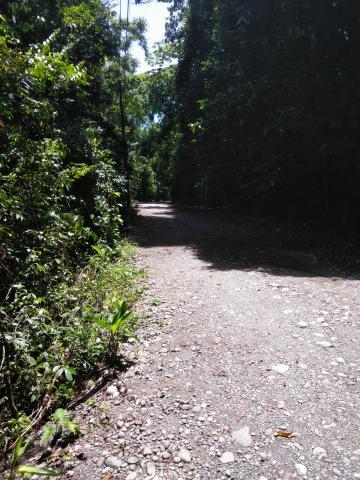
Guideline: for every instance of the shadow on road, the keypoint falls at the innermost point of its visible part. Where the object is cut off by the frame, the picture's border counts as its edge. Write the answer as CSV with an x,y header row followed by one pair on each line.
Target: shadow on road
x,y
225,242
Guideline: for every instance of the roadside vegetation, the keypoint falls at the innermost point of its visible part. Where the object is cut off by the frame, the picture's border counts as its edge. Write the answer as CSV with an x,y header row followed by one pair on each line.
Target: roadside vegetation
x,y
66,270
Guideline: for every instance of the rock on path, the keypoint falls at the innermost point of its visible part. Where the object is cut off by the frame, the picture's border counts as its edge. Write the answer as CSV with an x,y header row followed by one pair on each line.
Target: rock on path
x,y
224,382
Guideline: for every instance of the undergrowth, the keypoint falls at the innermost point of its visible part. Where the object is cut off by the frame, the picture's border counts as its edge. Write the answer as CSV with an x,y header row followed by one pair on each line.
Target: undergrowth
x,y
62,343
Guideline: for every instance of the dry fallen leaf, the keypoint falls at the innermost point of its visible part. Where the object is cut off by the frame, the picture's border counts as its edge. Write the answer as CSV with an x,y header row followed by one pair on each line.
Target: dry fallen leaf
x,y
284,434
106,477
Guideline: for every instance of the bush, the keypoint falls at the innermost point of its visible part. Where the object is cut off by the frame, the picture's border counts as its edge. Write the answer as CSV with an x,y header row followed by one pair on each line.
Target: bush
x,y
51,343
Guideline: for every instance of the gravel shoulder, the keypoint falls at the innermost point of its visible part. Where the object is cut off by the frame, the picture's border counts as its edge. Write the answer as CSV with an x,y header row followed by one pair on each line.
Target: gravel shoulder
x,y
245,367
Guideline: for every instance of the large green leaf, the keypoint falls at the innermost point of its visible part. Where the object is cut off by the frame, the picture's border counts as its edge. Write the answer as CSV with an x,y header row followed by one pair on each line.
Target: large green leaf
x,y
19,449
33,469
101,322
120,322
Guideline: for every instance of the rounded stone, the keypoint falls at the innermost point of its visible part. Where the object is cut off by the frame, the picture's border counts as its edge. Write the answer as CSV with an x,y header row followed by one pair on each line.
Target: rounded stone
x,y
184,455
282,368
242,436
319,452
301,470
227,457
113,462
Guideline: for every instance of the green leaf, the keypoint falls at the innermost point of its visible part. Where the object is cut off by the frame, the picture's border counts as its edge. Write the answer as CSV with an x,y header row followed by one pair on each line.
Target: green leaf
x,y
58,370
61,417
19,449
37,470
69,374
47,433
101,322
120,322
99,251
69,425
59,414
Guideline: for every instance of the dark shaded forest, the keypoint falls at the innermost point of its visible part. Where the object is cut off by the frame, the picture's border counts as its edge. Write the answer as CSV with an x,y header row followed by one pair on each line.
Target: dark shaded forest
x,y
267,108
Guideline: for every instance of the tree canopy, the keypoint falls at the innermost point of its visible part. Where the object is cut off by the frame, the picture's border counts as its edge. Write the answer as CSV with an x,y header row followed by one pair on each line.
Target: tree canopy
x,y
267,107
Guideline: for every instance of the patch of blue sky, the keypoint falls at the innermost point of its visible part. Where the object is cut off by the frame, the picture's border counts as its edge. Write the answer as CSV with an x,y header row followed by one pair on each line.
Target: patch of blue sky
x,y
155,14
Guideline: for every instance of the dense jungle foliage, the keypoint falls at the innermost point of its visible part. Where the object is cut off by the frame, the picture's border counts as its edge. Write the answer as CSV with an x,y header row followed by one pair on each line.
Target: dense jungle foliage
x,y
64,195
267,106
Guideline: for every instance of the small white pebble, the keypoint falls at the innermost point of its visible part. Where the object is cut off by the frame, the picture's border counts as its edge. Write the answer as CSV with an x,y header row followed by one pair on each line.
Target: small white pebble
x,y
301,470
282,368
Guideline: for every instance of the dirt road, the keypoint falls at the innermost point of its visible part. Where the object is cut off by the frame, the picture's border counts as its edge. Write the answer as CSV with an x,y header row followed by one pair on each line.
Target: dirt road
x,y
238,350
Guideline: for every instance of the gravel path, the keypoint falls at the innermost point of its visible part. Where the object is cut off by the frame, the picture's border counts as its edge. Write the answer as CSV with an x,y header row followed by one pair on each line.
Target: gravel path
x,y
236,355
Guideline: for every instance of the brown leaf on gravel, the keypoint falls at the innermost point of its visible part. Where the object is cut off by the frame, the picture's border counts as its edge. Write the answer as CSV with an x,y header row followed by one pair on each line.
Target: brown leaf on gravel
x,y
284,434
106,477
